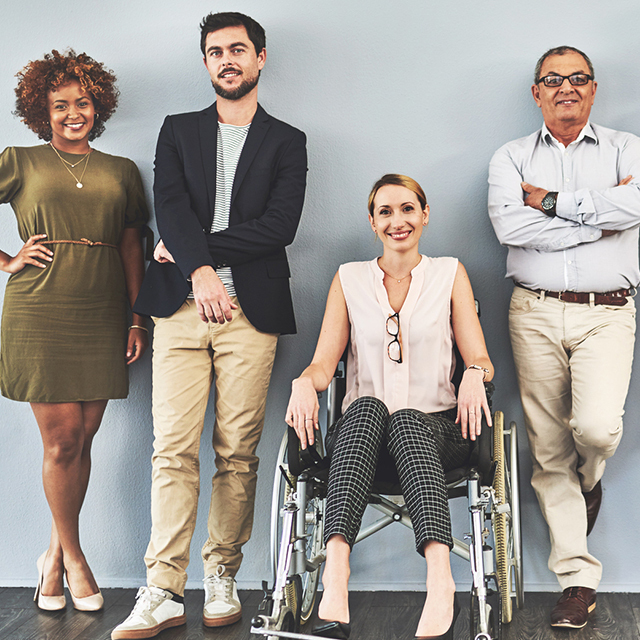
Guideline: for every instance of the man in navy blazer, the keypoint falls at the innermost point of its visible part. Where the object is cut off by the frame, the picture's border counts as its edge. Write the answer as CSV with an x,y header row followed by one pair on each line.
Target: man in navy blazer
x,y
229,188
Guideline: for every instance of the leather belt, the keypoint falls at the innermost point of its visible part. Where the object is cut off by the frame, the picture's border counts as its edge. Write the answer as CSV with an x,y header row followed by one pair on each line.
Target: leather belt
x,y
615,298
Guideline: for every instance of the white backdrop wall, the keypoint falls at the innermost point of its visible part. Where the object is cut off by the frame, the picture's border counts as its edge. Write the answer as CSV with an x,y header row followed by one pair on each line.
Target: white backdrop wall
x,y
429,89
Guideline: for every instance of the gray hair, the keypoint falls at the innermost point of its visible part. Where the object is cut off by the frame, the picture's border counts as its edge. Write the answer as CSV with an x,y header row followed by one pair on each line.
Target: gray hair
x,y
560,51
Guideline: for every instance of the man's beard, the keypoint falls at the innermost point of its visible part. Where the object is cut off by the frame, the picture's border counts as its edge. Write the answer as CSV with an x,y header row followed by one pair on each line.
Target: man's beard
x,y
245,87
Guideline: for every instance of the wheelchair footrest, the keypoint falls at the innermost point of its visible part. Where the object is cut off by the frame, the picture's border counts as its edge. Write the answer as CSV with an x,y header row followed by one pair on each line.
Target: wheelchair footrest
x,y
282,634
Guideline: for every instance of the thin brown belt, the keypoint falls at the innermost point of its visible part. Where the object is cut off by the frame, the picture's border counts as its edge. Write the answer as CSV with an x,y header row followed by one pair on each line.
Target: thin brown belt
x,y
84,241
616,298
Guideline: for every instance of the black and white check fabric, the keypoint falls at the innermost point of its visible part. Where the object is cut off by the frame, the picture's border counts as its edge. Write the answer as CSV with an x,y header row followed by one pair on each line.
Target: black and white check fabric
x,y
422,446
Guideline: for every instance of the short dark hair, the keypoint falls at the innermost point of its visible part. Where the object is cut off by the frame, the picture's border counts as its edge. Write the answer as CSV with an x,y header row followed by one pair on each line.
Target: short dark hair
x,y
216,21
55,70
560,51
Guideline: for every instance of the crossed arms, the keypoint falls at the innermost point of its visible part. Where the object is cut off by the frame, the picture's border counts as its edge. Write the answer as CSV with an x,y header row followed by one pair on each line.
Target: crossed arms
x,y
582,216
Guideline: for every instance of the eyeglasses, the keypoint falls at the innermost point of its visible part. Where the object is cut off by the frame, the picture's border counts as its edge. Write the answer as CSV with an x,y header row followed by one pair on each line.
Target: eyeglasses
x,y
576,79
394,348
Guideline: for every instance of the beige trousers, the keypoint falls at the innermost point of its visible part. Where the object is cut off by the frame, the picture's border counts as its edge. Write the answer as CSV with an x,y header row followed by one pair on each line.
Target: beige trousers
x,y
188,355
574,364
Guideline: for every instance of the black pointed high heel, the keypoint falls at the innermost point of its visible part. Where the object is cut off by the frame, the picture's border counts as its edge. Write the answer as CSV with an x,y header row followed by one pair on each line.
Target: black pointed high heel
x,y
448,634
332,629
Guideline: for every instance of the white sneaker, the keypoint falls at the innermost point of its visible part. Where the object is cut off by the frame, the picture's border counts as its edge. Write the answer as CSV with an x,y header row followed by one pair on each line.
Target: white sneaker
x,y
221,603
153,612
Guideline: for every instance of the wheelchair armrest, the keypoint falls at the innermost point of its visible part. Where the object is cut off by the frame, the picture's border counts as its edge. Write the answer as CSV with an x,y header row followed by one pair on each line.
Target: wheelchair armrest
x,y
300,460
482,452
489,388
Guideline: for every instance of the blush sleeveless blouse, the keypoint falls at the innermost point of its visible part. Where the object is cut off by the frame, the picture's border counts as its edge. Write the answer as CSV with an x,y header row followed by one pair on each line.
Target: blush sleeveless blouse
x,y
423,380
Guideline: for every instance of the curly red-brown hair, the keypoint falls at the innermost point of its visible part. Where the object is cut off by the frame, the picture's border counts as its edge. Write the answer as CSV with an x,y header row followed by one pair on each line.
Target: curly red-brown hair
x,y
40,77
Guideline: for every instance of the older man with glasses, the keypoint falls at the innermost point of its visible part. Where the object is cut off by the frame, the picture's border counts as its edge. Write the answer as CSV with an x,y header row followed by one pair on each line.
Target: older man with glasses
x,y
566,202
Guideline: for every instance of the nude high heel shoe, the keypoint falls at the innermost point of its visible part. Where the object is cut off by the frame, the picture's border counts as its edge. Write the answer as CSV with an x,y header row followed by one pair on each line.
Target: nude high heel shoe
x,y
94,602
47,603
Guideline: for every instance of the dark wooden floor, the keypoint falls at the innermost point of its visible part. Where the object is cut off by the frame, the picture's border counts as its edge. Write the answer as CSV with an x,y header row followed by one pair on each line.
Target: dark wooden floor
x,y
375,616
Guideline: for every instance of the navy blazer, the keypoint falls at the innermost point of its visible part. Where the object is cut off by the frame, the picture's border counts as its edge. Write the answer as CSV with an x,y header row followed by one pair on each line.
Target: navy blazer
x,y
266,204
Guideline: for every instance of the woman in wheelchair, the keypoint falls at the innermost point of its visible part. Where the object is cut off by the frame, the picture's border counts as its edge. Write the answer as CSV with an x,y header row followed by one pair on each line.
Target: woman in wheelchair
x,y
401,315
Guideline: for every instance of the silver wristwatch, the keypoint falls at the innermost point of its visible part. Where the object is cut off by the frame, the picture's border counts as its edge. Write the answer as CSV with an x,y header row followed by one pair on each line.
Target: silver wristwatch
x,y
548,203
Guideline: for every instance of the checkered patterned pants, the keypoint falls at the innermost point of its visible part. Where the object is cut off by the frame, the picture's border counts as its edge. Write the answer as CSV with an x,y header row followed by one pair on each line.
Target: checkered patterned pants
x,y
422,446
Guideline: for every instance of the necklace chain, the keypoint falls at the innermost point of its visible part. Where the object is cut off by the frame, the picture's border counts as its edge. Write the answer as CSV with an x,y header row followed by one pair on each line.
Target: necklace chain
x,y
393,277
65,163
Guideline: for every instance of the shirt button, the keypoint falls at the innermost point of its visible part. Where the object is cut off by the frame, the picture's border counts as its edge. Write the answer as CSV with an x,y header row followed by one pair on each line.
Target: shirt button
x,y
569,262
566,179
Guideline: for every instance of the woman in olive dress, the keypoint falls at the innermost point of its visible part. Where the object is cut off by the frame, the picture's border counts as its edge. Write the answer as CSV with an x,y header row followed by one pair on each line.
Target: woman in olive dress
x,y
64,341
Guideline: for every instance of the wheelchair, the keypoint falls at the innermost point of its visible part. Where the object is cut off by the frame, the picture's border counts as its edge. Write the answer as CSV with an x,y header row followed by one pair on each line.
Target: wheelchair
x,y
493,547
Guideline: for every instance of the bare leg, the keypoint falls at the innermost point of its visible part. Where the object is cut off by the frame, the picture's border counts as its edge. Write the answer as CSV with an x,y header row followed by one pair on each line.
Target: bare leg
x,y
67,431
437,613
335,580
53,584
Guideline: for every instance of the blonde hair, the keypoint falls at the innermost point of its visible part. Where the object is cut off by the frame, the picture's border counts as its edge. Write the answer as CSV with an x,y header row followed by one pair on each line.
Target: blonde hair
x,y
401,181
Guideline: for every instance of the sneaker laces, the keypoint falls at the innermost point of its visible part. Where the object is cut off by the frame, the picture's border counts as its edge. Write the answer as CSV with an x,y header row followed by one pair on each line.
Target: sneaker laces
x,y
218,588
145,599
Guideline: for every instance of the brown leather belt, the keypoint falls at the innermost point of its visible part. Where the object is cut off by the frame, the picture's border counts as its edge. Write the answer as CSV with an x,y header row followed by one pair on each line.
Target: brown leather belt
x,y
84,241
615,298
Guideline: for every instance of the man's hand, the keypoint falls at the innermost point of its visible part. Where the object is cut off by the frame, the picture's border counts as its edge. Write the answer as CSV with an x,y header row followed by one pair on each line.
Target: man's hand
x,y
212,299
534,196
161,253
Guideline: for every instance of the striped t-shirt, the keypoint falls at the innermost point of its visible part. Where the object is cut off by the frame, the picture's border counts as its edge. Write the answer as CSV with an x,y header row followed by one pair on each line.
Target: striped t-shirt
x,y
231,139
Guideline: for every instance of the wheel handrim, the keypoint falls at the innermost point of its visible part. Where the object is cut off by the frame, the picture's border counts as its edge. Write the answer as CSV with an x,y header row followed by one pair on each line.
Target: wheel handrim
x,y
501,524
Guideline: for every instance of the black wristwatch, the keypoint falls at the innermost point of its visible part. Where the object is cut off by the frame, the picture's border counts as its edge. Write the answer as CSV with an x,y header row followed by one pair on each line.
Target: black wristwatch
x,y
548,203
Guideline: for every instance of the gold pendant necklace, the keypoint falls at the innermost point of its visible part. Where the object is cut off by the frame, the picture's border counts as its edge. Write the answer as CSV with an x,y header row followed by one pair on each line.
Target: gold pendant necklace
x,y
78,181
393,277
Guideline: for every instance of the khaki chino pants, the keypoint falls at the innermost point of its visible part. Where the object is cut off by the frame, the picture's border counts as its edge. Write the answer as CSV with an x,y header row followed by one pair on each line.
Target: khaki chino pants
x,y
574,364
188,355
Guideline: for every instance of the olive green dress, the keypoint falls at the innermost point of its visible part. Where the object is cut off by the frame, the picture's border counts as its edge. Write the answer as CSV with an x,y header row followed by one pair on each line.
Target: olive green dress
x,y
64,330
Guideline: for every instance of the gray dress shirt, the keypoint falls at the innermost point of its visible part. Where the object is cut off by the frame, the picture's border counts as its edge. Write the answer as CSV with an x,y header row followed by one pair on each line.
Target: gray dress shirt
x,y
568,252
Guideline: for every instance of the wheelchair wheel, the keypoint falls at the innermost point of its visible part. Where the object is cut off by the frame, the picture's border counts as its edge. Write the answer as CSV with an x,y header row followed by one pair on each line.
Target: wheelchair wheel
x,y
314,528
280,494
513,496
501,524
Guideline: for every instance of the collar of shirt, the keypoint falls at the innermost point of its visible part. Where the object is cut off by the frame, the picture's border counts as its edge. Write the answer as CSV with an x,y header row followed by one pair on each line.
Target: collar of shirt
x,y
587,132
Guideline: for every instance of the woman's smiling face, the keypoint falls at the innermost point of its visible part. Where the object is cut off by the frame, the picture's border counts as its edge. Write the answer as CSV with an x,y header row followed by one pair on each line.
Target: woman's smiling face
x,y
71,114
398,217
